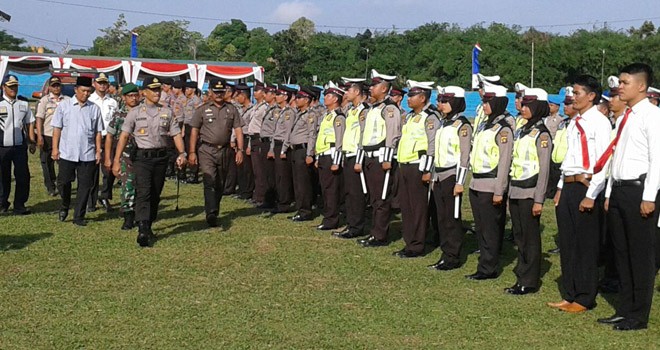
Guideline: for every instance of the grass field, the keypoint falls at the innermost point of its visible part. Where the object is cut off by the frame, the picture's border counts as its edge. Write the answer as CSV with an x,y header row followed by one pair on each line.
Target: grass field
x,y
264,282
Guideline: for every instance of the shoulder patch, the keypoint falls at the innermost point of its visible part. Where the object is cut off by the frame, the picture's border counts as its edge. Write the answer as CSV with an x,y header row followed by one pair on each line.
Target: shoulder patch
x,y
430,125
457,123
463,131
338,122
504,136
544,140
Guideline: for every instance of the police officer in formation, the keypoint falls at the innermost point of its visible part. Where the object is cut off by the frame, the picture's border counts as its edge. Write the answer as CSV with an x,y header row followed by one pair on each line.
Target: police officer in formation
x,y
301,145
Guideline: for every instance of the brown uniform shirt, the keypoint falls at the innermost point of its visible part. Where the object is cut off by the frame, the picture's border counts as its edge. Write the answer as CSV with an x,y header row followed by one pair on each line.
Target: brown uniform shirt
x,y
215,123
504,140
151,126
46,109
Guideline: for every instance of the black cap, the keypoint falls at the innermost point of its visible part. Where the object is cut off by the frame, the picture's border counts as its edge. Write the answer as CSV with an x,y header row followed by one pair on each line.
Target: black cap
x,y
241,87
167,81
307,92
151,82
54,80
259,85
84,81
397,91
10,80
317,92
178,84
217,85
191,84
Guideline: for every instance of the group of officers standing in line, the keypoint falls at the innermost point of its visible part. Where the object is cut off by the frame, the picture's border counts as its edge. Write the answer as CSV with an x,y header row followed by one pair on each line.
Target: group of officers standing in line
x,y
360,147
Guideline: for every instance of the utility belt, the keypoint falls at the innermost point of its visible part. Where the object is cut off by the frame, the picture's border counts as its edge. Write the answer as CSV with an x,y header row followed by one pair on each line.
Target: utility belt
x,y
581,178
374,148
299,146
151,153
213,145
639,182
254,137
489,175
527,183
330,151
266,139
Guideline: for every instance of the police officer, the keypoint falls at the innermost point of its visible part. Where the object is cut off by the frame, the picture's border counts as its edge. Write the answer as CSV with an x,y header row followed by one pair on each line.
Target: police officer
x,y
354,197
483,81
284,120
213,124
530,168
415,155
490,159
267,148
192,102
452,155
634,181
166,93
382,130
253,148
329,156
151,124
130,98
45,110
579,210
300,146
17,130
245,171
177,102
77,126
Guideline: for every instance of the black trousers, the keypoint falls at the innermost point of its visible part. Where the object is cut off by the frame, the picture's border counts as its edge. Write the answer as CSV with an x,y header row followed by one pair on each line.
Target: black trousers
x,y
634,240
107,181
355,200
192,171
256,156
579,235
413,199
245,174
268,167
489,223
528,241
16,156
450,228
283,179
214,164
83,172
330,190
302,182
553,179
149,181
48,164
94,193
381,209
232,174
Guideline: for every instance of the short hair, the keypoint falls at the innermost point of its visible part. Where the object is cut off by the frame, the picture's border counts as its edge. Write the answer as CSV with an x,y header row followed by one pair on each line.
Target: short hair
x,y
640,68
591,84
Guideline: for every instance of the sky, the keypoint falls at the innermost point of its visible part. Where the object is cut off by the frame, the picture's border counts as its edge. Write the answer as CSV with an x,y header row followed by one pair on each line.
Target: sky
x,y
54,23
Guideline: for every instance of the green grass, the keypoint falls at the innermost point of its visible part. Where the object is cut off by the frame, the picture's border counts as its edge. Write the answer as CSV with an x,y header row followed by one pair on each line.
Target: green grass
x,y
262,282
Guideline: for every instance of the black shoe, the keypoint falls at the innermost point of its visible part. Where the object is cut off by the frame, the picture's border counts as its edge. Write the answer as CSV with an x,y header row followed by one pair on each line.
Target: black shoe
x,y
443,265
91,209
300,218
23,211
348,234
105,204
476,251
323,227
517,289
554,251
479,276
265,206
193,181
212,220
614,319
371,241
4,209
63,214
79,222
129,221
629,325
405,254
53,193
145,234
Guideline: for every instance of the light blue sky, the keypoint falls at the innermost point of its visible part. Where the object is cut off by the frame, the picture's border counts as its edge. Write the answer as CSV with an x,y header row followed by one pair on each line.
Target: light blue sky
x,y
56,23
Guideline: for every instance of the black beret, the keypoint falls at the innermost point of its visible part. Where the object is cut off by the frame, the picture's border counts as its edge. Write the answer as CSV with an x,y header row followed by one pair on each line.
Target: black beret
x,y
84,81
178,84
191,84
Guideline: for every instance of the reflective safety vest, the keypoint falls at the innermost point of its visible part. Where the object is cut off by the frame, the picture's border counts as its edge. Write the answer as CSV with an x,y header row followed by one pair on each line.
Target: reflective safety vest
x,y
560,143
485,152
480,118
413,138
352,133
520,122
525,161
326,137
375,130
448,145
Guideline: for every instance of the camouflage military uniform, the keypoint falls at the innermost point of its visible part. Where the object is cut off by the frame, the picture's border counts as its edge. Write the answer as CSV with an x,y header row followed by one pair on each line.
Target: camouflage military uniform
x,y
126,175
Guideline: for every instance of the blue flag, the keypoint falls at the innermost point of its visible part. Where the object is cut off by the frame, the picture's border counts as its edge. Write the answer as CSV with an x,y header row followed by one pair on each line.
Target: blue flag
x,y
134,45
475,58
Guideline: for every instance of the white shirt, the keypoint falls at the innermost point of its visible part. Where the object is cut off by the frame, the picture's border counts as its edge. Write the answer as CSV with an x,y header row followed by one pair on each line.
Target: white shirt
x,y
597,129
14,115
108,106
638,149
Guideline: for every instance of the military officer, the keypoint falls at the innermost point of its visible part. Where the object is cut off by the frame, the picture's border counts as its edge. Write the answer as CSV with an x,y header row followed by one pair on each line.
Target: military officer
x,y
45,110
530,168
151,124
579,210
284,120
77,126
415,154
329,156
300,146
382,131
16,131
213,123
354,196
490,160
130,98
253,148
452,155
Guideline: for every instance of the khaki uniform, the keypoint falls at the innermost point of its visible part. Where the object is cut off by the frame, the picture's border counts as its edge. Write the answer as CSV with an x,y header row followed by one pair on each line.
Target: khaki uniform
x,y
328,153
283,175
152,127
267,145
299,146
215,126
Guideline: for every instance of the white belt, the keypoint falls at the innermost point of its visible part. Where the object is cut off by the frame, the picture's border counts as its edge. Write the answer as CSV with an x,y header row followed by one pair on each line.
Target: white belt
x,y
350,155
328,152
372,154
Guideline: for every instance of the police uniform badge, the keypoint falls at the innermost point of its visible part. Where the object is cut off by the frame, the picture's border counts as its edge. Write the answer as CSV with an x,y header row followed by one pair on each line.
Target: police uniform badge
x,y
3,110
287,116
464,131
457,123
338,123
50,110
417,118
544,141
363,115
142,131
504,137
390,114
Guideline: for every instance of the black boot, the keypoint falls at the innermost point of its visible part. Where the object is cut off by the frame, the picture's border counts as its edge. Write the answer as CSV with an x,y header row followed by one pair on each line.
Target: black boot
x,y
144,234
129,220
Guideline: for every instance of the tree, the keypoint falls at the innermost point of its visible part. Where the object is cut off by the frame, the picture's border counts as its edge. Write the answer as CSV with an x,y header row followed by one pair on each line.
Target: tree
x,y
11,43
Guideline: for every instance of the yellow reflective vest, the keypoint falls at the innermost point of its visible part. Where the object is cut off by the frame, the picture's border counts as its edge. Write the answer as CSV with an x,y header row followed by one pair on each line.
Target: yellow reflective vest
x,y
525,161
326,137
375,130
413,138
448,144
560,143
352,133
485,153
